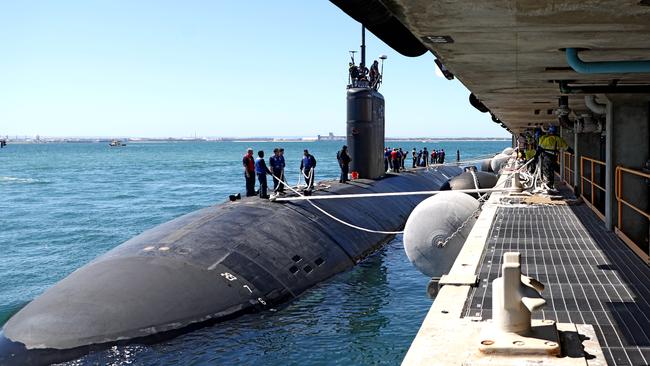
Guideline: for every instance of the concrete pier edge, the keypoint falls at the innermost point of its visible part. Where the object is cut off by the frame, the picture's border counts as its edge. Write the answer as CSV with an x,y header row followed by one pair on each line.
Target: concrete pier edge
x,y
447,338
446,311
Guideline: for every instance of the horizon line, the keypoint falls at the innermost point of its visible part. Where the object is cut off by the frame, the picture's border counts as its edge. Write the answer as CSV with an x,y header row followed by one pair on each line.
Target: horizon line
x,y
323,137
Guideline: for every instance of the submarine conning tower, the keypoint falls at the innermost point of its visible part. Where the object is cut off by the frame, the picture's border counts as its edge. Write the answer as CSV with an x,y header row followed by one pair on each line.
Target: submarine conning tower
x,y
365,131
365,119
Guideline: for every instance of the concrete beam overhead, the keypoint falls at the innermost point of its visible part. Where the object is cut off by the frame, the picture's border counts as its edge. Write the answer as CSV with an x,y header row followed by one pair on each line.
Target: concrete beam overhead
x,y
509,52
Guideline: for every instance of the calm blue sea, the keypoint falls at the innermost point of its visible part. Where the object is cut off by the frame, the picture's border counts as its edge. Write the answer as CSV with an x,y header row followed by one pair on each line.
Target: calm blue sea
x,y
62,205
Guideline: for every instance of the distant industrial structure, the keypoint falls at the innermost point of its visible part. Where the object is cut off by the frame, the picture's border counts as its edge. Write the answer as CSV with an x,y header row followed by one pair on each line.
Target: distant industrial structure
x,y
330,137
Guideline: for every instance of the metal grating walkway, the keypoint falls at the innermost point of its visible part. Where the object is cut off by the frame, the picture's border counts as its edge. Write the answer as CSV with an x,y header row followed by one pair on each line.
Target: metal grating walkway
x,y
591,277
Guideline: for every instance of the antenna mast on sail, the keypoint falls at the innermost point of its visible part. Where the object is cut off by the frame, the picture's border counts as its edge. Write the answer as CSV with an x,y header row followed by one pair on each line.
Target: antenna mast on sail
x,y
363,45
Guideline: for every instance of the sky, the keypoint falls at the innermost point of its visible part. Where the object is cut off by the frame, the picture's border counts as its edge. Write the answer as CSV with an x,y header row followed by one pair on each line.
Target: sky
x,y
158,68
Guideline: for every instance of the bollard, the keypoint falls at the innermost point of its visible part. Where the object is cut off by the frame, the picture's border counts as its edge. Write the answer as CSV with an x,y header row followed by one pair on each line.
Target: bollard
x,y
514,297
512,330
516,182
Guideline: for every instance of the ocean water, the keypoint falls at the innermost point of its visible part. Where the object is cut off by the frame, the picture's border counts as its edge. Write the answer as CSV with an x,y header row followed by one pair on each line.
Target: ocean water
x,y
64,204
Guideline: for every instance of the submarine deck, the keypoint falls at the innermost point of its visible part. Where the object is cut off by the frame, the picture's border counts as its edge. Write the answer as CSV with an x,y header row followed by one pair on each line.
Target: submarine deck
x,y
591,277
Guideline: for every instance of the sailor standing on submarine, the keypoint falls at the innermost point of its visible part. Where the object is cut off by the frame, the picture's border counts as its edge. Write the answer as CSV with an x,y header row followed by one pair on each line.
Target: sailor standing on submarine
x,y
277,166
414,155
249,172
548,148
307,165
425,157
261,169
282,178
344,163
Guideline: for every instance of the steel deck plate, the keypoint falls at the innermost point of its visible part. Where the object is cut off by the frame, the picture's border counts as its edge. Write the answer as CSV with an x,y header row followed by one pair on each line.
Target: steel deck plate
x,y
591,277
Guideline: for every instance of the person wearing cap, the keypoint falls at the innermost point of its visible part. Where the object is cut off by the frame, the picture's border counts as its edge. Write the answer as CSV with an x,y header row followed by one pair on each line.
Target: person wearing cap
x,y
344,163
307,165
276,162
262,170
249,172
548,148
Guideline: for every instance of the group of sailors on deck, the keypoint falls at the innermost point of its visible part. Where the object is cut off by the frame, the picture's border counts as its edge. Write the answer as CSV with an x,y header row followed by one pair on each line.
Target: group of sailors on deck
x,y
257,167
395,158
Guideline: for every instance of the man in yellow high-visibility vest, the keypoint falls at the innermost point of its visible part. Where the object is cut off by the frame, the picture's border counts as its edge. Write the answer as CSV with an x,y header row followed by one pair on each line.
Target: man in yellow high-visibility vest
x,y
530,152
548,148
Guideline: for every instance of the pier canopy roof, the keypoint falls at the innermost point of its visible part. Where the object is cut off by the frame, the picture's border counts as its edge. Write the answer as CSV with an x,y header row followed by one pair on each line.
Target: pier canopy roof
x,y
511,53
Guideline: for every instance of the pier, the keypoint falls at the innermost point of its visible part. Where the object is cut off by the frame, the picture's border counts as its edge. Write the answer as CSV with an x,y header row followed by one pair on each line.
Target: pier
x,y
592,278
533,67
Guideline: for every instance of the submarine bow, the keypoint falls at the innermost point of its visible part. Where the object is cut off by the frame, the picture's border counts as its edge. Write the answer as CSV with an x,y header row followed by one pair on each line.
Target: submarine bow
x,y
210,265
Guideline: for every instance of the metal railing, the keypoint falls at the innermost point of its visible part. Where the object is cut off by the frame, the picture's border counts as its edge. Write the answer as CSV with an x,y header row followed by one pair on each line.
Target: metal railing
x,y
569,169
625,203
597,205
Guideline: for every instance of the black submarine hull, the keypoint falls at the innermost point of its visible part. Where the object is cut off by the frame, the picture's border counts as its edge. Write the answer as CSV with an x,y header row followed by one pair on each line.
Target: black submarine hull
x,y
207,266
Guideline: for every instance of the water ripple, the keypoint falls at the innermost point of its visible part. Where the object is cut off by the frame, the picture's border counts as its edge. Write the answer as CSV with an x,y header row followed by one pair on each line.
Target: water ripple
x,y
65,204
16,180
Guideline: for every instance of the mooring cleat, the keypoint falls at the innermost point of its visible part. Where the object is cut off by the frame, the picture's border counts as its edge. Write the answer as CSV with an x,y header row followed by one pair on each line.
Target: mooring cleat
x,y
512,331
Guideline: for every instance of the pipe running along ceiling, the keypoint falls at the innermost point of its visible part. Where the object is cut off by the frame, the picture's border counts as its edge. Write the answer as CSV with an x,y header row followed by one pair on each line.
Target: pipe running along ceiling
x,y
511,54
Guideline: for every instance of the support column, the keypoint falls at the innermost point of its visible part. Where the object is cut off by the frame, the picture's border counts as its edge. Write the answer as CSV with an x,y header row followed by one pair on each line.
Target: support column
x,y
628,145
576,163
562,158
609,165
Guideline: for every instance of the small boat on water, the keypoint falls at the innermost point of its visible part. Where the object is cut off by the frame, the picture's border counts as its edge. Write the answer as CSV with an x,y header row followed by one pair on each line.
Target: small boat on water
x,y
116,143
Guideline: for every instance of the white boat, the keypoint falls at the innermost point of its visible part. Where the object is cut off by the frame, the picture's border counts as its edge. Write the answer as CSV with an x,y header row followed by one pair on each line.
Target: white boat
x,y
116,143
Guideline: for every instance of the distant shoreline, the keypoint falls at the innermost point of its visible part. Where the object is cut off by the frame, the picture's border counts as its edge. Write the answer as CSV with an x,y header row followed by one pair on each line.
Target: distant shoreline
x,y
242,140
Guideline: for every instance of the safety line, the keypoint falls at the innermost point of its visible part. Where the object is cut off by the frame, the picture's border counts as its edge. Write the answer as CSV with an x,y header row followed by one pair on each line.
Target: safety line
x,y
310,198
391,194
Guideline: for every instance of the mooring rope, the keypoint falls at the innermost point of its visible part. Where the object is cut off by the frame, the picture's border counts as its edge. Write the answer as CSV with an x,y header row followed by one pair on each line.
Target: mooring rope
x,y
339,220
476,159
309,199
390,194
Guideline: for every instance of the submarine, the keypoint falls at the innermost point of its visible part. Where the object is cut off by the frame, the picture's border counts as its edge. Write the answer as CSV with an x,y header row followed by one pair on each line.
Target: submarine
x,y
211,265
207,266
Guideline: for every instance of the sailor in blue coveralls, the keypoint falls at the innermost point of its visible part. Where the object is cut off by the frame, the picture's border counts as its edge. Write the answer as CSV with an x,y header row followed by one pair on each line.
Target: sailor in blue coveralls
x,y
276,162
307,165
261,170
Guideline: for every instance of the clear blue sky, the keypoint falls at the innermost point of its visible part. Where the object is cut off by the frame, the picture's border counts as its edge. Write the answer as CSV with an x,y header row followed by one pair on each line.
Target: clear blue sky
x,y
214,67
